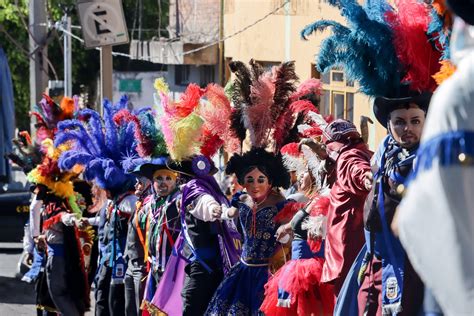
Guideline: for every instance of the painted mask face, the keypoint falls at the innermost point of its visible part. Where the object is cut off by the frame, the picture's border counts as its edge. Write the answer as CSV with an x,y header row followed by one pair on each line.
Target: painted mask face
x,y
164,182
406,126
257,185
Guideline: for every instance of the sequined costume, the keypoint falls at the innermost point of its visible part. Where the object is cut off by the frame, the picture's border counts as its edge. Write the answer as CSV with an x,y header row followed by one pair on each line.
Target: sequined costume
x,y
241,292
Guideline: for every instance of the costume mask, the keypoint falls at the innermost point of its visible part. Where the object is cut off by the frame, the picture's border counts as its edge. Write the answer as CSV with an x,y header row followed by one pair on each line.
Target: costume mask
x,y
164,182
257,185
406,126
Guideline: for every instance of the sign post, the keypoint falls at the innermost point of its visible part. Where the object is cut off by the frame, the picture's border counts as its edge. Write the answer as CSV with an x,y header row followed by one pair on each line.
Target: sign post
x,y
103,25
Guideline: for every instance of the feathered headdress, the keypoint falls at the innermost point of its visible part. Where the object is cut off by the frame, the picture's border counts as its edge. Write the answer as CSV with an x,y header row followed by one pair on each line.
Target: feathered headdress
x,y
49,174
25,154
100,146
48,114
382,47
198,123
292,158
267,105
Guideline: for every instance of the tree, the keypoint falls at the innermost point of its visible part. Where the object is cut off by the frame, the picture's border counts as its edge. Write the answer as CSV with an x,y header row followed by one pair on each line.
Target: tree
x,y
153,15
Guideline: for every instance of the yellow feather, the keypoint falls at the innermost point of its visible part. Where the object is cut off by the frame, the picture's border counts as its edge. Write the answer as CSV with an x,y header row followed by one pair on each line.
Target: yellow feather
x,y
187,134
161,85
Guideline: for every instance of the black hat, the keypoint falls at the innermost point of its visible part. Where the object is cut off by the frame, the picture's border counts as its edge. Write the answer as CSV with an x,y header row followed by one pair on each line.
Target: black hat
x,y
383,106
463,8
198,165
148,167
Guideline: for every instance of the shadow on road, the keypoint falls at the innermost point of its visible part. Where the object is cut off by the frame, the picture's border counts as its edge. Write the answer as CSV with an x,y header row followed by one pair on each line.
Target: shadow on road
x,y
10,250
14,291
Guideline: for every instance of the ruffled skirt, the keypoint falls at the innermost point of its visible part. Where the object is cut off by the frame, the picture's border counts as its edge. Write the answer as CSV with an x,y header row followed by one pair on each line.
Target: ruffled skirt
x,y
296,290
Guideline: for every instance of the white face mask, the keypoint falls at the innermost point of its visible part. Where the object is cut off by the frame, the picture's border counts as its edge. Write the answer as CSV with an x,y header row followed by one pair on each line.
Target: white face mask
x,y
462,40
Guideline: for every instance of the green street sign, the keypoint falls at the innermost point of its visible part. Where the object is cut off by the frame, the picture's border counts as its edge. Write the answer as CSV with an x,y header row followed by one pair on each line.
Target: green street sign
x,y
130,85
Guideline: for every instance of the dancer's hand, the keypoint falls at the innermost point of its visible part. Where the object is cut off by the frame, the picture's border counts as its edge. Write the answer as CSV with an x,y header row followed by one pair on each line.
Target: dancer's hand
x,y
40,242
283,231
368,180
318,148
216,212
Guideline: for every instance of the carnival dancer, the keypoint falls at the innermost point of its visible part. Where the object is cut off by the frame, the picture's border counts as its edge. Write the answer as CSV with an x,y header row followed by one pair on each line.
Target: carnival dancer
x,y
438,236
388,281
162,225
383,48
295,289
345,235
28,154
194,130
134,250
65,272
100,147
263,107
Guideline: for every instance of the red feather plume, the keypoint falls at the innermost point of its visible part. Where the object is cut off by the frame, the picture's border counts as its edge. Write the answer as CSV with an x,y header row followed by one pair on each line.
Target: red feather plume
x,y
287,212
415,52
290,149
189,100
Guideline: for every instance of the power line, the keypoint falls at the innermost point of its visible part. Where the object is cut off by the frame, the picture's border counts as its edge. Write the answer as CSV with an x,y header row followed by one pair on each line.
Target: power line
x,y
196,49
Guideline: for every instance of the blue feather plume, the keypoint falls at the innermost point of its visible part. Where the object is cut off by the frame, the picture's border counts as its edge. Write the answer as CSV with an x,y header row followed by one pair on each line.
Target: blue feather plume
x,y
100,145
364,48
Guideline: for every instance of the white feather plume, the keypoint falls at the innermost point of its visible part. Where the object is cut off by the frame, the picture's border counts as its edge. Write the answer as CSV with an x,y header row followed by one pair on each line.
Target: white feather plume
x,y
316,226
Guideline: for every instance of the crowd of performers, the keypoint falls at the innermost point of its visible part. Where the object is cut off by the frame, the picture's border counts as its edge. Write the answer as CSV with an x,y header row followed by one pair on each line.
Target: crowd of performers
x,y
308,221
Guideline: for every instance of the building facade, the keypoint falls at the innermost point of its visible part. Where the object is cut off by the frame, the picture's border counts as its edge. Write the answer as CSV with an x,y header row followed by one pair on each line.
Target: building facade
x,y
277,38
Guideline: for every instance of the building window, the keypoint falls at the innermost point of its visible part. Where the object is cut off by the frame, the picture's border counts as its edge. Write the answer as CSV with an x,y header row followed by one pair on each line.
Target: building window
x,y
342,104
337,76
267,65
181,75
207,75
338,95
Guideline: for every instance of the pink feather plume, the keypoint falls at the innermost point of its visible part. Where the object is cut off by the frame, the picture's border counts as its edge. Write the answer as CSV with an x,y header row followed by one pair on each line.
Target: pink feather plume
x,y
258,117
308,86
216,115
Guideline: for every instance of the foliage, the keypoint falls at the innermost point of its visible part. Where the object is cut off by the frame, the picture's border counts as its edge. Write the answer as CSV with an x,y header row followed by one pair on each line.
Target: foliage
x,y
85,63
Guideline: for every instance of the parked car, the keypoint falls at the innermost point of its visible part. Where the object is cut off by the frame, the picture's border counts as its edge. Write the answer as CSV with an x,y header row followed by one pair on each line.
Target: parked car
x,y
14,212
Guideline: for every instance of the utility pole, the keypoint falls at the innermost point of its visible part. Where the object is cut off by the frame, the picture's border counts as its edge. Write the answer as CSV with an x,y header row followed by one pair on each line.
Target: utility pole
x,y
221,68
106,84
38,50
67,51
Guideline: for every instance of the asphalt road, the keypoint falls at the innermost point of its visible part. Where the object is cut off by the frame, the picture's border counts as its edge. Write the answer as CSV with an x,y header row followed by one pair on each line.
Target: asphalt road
x,y
16,297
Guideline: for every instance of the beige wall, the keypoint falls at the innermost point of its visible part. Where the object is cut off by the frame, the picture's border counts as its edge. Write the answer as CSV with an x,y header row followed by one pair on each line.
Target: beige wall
x,y
269,41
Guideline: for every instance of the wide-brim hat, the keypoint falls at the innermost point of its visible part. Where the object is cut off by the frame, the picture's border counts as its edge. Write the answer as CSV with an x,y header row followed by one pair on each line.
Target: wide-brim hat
x,y
196,166
383,106
463,8
148,167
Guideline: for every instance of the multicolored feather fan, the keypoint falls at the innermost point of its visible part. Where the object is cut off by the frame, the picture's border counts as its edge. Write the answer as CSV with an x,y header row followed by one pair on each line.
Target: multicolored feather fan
x,y
196,124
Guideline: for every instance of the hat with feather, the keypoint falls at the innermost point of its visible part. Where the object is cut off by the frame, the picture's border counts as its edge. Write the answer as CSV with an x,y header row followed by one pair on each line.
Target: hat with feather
x,y
100,145
387,49
27,151
267,110
49,174
150,143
